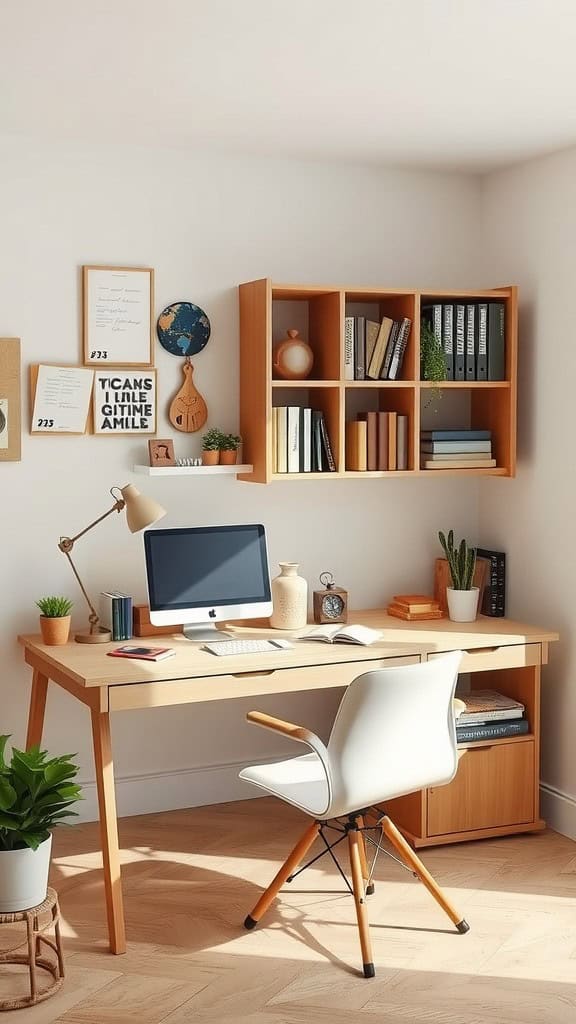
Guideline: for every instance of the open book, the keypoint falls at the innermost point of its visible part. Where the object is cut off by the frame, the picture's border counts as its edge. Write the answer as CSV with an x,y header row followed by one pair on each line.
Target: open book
x,y
344,634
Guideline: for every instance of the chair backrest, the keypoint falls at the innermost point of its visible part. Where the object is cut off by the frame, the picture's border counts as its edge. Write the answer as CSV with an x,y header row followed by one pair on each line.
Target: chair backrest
x,y
394,733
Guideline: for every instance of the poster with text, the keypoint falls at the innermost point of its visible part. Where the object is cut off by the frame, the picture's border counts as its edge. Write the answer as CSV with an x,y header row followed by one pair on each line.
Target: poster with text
x,y
125,401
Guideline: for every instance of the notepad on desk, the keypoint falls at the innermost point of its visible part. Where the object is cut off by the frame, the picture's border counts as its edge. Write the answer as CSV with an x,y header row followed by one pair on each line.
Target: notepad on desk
x,y
145,653
344,635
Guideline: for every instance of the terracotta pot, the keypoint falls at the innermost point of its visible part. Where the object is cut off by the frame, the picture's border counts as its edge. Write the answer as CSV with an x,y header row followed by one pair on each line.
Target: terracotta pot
x,y
55,631
228,456
211,458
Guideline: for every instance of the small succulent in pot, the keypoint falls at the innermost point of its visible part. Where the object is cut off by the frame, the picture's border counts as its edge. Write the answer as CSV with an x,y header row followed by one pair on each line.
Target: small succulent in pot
x,y
211,443
54,620
462,596
229,445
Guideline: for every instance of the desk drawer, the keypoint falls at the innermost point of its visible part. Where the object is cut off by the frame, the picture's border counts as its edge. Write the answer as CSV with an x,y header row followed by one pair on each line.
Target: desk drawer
x,y
244,684
494,786
484,659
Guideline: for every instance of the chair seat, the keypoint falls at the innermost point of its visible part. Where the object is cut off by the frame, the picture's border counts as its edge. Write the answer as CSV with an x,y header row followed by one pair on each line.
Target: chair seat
x,y
300,781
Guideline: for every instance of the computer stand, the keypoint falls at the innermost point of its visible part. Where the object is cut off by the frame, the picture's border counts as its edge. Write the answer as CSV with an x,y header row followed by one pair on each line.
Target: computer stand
x,y
204,632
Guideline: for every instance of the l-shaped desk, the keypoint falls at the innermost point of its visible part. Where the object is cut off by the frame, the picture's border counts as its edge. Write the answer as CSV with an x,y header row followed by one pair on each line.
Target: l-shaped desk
x,y
496,789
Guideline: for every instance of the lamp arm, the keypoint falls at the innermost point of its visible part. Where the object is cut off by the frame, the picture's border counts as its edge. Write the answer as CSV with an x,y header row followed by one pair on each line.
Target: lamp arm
x,y
67,543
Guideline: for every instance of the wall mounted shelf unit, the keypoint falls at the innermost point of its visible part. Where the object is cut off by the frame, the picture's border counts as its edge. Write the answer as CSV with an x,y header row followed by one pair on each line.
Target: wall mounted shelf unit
x,y
267,310
192,470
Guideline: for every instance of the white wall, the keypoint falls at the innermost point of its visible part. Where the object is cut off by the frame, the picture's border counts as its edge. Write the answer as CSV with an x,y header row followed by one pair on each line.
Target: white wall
x,y
529,227
205,224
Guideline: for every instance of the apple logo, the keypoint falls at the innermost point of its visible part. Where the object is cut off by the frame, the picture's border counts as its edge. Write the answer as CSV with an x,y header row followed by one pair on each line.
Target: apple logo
x,y
212,613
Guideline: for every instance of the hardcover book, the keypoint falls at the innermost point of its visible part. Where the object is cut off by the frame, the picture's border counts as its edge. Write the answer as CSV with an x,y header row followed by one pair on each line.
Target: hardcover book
x,y
481,341
494,599
376,362
448,338
470,333
349,348
495,341
460,342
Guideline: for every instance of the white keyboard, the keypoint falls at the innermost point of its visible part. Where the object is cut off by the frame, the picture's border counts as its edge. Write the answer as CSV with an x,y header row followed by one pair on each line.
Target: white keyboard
x,y
247,646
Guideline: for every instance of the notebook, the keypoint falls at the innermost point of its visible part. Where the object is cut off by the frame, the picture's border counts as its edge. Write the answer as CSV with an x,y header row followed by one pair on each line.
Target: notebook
x,y
145,653
344,635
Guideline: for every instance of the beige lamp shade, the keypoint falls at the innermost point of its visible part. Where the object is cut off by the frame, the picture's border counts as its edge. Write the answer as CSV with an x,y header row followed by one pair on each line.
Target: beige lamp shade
x,y
140,510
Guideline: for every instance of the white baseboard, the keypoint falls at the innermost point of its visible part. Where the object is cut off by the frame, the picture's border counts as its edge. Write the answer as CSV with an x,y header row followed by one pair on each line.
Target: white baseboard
x,y
169,791
558,810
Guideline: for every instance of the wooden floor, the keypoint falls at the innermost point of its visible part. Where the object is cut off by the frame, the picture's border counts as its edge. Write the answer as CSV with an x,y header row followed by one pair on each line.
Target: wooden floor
x,y
190,877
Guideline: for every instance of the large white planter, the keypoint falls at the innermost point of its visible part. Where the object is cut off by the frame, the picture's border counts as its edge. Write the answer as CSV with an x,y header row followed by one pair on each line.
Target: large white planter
x,y
24,877
462,604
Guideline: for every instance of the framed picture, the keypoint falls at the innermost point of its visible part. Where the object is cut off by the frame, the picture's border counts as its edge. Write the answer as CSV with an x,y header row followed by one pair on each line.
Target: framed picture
x,y
118,309
124,401
10,411
161,452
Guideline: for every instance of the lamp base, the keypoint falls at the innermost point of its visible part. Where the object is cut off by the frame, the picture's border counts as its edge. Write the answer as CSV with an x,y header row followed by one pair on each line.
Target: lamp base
x,y
102,636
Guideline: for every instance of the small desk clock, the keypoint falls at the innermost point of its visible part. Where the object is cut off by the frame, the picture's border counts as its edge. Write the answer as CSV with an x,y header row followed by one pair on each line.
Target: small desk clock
x,y
330,604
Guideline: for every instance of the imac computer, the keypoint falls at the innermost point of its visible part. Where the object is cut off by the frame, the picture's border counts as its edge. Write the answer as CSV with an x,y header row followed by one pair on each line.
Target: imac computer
x,y
200,575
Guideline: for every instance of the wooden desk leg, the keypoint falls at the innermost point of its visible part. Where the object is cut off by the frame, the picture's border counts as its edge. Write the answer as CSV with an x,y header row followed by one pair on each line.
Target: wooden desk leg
x,y
37,709
109,829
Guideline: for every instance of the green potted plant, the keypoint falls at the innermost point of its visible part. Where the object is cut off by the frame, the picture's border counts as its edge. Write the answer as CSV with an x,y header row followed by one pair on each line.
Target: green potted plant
x,y
36,794
432,361
229,445
462,597
54,620
211,446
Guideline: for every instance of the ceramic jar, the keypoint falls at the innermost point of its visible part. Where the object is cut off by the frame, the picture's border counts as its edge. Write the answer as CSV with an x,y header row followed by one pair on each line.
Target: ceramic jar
x,y
289,598
462,604
292,358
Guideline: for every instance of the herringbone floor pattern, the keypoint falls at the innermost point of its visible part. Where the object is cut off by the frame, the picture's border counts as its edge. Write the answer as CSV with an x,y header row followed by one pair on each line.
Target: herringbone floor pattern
x,y
190,877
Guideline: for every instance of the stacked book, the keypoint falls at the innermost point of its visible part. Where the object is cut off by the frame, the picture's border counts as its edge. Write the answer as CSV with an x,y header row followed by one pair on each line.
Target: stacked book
x,y
415,607
116,614
456,449
494,597
374,350
377,442
472,336
489,715
300,441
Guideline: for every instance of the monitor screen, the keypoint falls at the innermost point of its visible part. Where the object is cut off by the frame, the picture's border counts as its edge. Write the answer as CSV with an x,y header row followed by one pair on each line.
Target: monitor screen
x,y
206,568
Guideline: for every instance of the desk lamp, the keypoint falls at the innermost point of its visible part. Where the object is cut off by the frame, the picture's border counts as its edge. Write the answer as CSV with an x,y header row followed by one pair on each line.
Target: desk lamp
x,y
140,513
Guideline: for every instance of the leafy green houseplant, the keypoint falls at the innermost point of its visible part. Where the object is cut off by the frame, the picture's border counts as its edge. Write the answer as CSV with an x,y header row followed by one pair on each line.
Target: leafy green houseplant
x,y
229,445
462,597
36,795
54,619
432,361
211,443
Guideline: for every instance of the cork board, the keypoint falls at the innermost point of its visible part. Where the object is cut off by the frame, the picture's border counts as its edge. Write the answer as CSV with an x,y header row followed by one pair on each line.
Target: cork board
x,y
10,400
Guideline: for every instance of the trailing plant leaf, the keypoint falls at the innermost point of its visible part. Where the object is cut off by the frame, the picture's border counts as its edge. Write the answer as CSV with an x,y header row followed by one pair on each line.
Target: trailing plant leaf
x,y
36,794
432,360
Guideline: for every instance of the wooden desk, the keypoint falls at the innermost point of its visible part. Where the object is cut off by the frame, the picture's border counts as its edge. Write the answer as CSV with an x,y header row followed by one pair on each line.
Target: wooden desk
x,y
511,652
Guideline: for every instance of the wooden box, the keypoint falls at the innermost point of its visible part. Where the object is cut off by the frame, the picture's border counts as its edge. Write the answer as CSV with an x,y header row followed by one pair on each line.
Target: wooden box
x,y
141,625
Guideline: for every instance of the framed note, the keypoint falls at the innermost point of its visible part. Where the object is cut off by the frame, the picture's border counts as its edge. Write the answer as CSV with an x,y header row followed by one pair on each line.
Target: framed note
x,y
118,308
60,399
124,401
10,400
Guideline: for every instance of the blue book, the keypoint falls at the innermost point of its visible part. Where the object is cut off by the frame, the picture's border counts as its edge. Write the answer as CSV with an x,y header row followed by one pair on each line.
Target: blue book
x,y
460,434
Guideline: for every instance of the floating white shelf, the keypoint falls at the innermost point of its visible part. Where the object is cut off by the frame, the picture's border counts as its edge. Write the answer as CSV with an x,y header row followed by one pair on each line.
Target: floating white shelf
x,y
191,470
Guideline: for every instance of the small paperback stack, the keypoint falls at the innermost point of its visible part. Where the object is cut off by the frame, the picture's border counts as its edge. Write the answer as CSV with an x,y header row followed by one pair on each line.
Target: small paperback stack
x,y
116,614
489,715
414,607
456,449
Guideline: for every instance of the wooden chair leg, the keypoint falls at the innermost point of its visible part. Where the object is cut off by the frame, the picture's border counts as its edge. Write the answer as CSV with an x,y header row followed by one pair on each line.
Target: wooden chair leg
x,y
354,847
369,886
414,862
290,865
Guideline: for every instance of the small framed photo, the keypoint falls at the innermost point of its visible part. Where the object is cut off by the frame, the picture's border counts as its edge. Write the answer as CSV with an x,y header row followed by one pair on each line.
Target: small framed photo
x,y
124,401
161,452
118,311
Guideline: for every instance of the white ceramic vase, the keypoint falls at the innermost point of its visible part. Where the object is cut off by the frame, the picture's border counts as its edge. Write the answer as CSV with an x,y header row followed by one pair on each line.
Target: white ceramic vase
x,y
462,604
24,877
289,598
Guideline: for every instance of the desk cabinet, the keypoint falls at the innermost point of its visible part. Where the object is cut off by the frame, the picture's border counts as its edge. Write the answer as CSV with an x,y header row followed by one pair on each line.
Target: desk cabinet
x,y
496,788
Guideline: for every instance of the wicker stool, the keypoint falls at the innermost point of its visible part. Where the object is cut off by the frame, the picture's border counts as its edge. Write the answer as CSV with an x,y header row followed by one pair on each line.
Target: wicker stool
x,y
38,920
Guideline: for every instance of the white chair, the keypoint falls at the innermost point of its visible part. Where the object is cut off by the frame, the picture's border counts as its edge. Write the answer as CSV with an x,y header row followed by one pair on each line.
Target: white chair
x,y
393,734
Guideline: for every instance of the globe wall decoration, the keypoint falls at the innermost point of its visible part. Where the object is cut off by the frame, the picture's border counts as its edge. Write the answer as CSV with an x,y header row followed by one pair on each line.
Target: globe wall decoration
x,y
184,330
292,358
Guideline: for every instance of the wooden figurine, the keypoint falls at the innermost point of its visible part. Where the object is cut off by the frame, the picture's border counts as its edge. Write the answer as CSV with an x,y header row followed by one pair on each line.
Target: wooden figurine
x,y
188,410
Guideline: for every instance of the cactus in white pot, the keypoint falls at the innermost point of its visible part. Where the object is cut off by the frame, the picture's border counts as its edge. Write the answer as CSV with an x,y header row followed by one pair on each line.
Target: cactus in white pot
x,y
462,596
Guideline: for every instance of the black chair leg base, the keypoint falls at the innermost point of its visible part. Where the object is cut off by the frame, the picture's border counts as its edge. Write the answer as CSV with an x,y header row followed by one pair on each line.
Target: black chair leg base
x,y
370,889
250,922
369,971
463,927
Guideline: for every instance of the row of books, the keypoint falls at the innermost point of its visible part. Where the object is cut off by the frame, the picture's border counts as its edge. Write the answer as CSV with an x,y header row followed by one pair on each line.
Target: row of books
x,y
472,336
300,441
377,441
116,614
373,350
494,598
490,714
456,449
